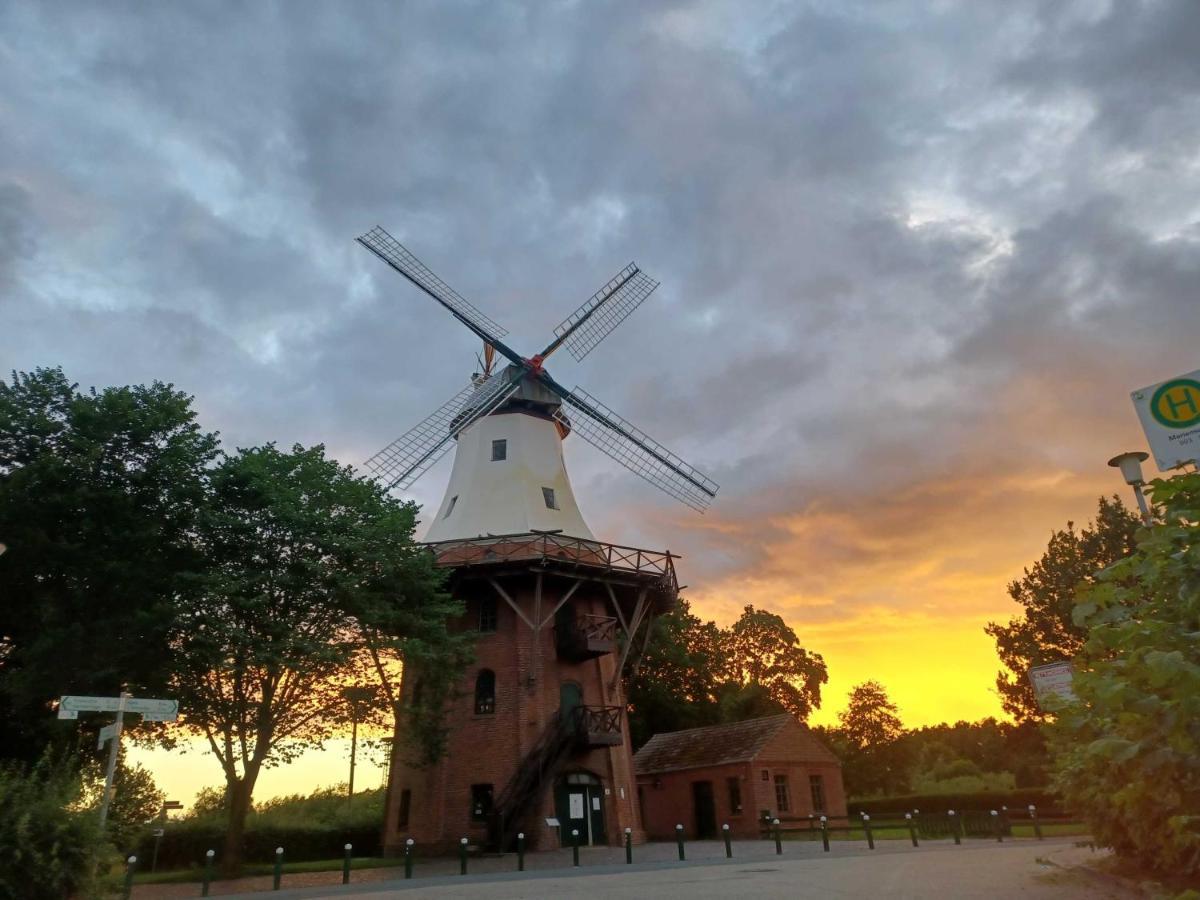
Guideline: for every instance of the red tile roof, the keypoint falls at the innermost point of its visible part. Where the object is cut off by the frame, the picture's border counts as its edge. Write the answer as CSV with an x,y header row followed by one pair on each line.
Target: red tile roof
x,y
716,745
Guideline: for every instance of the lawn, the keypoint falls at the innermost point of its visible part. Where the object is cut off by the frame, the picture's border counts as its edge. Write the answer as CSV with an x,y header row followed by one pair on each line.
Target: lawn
x,y
179,876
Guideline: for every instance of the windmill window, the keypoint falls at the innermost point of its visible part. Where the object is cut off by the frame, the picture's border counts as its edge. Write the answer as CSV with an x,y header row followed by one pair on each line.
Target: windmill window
x,y
487,614
485,692
450,508
499,450
548,496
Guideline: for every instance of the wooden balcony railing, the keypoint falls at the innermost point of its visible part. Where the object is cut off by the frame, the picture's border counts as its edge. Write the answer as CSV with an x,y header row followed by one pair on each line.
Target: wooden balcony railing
x,y
586,637
597,726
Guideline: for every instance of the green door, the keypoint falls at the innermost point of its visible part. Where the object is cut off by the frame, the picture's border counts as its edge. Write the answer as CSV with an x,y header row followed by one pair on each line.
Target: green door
x,y
570,697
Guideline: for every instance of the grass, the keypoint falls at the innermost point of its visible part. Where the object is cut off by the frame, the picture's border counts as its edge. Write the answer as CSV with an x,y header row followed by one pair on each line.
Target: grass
x,y
180,876
900,833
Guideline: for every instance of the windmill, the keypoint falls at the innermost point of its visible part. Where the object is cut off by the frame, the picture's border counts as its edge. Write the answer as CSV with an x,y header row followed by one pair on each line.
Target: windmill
x,y
404,460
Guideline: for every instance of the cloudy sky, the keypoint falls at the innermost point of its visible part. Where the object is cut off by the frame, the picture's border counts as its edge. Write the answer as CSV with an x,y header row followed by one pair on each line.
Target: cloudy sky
x,y
914,256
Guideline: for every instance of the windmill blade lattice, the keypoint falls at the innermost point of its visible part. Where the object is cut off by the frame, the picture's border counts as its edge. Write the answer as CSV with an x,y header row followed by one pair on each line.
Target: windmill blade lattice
x,y
637,451
414,453
400,258
605,310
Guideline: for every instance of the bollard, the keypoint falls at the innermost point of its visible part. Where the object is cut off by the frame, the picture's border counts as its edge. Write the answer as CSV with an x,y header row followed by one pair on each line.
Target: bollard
x,y
629,846
208,861
575,847
912,831
996,827
778,839
408,845
131,866
825,833
278,868
679,840
346,864
866,820
462,856
728,844
1037,826
521,851
955,827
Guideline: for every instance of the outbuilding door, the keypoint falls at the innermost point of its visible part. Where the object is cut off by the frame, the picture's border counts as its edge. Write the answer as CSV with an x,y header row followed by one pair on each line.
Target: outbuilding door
x,y
705,809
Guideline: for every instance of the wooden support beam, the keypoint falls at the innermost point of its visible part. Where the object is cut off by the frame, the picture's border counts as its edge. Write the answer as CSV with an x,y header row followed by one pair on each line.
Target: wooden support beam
x,y
511,602
567,596
612,595
638,612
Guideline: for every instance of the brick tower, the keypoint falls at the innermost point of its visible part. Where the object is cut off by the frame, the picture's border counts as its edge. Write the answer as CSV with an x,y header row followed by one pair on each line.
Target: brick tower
x,y
537,733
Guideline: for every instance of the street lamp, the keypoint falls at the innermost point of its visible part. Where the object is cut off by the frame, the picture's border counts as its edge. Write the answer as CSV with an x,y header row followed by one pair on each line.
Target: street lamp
x,y
1130,464
356,695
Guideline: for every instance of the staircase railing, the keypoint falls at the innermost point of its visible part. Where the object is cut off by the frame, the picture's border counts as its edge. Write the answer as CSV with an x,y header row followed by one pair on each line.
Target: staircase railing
x,y
523,789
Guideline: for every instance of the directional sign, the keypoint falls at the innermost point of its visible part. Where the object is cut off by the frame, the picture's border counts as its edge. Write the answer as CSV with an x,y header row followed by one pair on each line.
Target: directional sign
x,y
107,733
172,804
1170,416
155,710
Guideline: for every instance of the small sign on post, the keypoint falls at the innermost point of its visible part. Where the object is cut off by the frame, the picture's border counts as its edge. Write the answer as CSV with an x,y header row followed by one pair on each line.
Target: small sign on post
x,y
1052,679
1170,415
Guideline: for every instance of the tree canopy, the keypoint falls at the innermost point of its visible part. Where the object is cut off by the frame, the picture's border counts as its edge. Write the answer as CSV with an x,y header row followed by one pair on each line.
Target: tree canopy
x,y
1045,632
99,496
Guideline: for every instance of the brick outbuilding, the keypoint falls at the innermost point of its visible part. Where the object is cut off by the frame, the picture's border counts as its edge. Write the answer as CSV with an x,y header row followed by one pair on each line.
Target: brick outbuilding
x,y
703,778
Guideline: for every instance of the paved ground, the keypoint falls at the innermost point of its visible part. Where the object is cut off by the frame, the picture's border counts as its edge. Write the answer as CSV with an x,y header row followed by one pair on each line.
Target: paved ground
x,y
1027,869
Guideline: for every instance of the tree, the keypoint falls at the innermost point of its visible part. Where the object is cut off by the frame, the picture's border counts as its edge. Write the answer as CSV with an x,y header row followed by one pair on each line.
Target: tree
x,y
136,801
1045,632
675,684
761,649
99,494
299,547
868,742
1126,752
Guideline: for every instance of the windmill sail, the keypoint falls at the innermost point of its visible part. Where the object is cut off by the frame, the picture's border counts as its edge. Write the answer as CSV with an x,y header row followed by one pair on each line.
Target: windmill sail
x,y
637,451
603,311
411,455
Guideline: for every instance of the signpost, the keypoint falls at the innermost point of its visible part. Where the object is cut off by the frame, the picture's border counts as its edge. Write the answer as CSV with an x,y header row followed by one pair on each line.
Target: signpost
x,y
1170,416
69,707
1052,679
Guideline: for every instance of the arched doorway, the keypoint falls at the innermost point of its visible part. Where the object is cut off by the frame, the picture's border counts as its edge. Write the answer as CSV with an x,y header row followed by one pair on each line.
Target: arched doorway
x,y
579,803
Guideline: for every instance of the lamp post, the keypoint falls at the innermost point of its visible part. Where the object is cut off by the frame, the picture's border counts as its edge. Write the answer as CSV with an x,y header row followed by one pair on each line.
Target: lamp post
x,y
1130,464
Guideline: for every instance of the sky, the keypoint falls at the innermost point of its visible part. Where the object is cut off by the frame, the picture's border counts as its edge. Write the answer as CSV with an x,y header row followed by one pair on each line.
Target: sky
x,y
914,257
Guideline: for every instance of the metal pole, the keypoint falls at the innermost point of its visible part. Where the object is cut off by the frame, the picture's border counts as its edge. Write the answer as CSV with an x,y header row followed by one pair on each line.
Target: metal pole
x,y
462,856
825,833
278,868
408,845
1142,505
575,847
778,842
955,827
1037,826
996,827
912,831
866,820
679,840
208,861
129,870
520,851
112,760
353,752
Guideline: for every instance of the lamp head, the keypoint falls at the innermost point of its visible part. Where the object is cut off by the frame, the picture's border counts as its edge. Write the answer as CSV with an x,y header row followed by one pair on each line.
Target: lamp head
x,y
1130,465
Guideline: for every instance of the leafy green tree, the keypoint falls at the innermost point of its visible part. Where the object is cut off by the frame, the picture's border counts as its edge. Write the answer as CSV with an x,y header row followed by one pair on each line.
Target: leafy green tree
x,y
299,548
874,760
136,801
762,649
1045,632
1127,750
675,684
99,493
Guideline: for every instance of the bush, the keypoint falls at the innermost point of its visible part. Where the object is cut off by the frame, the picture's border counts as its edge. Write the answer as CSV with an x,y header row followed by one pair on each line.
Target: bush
x,y
52,848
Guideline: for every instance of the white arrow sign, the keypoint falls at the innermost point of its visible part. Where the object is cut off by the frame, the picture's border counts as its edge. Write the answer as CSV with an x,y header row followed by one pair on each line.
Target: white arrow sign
x,y
107,733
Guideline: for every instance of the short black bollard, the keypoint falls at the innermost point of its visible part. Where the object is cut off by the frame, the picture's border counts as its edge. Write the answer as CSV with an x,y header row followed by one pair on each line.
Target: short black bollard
x,y
1037,826
866,820
679,840
996,827
728,843
575,847
778,839
629,846
825,833
912,831
521,852
462,856
408,851
346,864
130,868
208,861
955,827
278,868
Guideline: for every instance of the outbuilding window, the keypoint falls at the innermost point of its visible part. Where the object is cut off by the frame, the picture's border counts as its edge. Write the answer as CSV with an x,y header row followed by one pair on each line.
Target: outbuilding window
x,y
783,801
735,795
485,692
816,785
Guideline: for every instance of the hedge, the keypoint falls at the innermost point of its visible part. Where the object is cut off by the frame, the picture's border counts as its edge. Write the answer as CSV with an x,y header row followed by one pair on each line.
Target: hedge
x,y
1048,805
185,845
